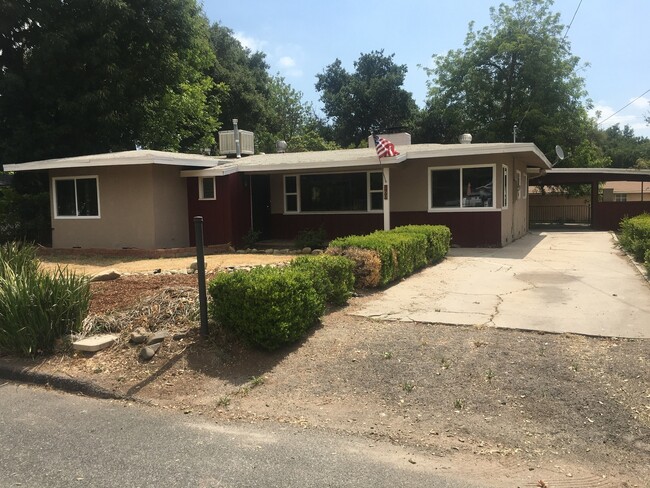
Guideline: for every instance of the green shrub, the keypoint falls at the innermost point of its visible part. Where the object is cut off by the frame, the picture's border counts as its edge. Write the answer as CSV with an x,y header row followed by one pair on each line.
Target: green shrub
x,y
269,307
332,276
367,265
37,308
18,257
314,238
400,253
635,235
438,239
647,261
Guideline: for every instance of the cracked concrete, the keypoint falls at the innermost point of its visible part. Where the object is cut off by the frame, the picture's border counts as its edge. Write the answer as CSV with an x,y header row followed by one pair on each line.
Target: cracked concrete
x,y
552,281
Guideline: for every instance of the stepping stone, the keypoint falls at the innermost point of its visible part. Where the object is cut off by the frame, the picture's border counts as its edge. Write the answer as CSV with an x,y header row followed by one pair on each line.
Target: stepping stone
x,y
95,343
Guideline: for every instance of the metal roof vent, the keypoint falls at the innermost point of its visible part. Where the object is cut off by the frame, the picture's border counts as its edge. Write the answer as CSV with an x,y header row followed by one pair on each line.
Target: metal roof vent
x,y
465,138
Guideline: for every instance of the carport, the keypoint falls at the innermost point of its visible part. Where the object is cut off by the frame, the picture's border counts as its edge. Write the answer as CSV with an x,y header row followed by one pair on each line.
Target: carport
x,y
604,215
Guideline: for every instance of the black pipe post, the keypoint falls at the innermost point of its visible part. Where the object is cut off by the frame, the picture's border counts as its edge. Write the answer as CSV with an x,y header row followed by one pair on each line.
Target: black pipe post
x,y
200,268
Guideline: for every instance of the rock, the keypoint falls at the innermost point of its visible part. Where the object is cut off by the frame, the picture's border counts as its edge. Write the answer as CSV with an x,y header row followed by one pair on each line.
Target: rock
x,y
95,343
241,251
317,252
157,271
106,275
276,251
195,266
306,250
147,352
269,251
157,337
138,336
191,271
180,335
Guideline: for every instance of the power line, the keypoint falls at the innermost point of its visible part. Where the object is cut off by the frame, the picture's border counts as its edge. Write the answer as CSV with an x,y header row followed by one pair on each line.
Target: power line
x,y
621,109
572,19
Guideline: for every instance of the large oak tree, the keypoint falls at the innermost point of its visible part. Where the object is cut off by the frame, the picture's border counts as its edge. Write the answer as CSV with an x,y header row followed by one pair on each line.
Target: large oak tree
x,y
371,99
517,71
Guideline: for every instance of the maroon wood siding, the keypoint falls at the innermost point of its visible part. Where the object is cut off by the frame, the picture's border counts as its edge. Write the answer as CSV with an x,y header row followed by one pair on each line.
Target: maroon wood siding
x,y
468,229
607,215
336,225
226,219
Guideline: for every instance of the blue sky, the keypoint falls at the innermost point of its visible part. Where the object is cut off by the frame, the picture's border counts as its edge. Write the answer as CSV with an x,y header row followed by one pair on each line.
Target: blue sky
x,y
301,37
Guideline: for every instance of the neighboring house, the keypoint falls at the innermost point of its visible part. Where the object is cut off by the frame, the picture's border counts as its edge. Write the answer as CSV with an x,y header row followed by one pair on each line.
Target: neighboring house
x,y
626,191
147,199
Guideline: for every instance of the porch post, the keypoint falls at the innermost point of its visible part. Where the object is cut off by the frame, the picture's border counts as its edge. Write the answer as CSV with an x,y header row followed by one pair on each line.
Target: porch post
x,y
386,172
594,201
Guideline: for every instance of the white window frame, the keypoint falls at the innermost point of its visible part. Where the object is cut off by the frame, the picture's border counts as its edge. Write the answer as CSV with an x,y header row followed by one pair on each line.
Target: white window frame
x,y
505,199
460,189
214,188
296,194
76,201
518,183
334,212
524,190
371,191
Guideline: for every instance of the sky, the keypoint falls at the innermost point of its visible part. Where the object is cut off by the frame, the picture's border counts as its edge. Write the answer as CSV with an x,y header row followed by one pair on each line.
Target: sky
x,y
302,37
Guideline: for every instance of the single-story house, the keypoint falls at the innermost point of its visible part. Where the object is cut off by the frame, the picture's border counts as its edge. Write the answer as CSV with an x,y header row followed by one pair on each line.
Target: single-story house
x,y
626,191
147,199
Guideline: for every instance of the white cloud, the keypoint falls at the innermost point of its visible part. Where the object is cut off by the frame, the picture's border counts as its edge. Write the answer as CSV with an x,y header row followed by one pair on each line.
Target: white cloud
x,y
642,103
634,116
287,62
250,42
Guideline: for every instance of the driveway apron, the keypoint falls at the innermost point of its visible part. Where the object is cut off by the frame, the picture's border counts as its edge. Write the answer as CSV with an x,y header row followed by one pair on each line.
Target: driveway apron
x,y
551,281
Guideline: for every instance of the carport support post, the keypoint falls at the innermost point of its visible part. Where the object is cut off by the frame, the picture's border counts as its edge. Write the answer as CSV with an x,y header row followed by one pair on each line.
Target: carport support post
x,y
200,268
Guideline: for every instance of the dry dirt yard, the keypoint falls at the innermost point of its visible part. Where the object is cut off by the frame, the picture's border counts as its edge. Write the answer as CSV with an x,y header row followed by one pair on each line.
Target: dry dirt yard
x,y
506,407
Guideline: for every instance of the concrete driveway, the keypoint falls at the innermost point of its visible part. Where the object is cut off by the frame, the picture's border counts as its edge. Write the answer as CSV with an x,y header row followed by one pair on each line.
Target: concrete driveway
x,y
552,281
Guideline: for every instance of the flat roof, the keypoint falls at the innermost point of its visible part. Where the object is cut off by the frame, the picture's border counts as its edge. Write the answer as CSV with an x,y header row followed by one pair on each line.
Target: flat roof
x,y
364,157
123,158
560,176
260,163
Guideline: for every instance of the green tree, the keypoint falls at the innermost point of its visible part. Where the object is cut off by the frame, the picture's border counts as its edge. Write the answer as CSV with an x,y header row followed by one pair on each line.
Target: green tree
x,y
517,71
83,77
369,100
623,147
246,78
291,120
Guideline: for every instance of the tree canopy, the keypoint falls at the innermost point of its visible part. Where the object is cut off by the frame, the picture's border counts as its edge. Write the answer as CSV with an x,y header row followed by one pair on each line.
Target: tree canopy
x,y
369,100
517,71
81,77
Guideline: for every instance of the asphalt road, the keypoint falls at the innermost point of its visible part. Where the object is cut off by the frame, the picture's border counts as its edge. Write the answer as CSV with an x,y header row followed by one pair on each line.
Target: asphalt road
x,y
61,440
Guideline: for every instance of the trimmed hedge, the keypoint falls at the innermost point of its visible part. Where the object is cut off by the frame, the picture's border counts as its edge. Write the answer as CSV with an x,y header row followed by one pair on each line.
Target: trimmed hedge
x,y
438,239
401,251
332,276
635,235
269,307
37,308
366,265
647,260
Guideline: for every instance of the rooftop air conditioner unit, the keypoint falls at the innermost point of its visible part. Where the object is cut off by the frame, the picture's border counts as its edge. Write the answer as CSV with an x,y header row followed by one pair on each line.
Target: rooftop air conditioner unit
x,y
227,146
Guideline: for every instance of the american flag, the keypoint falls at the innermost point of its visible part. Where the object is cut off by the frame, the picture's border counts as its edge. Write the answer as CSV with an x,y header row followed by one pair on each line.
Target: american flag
x,y
385,148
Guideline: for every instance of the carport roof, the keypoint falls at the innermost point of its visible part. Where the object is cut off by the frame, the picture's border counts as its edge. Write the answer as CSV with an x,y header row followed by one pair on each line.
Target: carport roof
x,y
560,176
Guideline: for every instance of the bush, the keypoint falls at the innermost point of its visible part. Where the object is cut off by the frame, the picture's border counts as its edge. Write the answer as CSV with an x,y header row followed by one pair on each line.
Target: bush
x,y
438,239
18,257
332,276
367,265
635,235
37,308
647,261
268,307
311,238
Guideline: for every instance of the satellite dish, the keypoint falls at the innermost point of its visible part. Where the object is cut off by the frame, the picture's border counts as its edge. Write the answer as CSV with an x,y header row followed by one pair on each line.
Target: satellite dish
x,y
281,146
559,152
